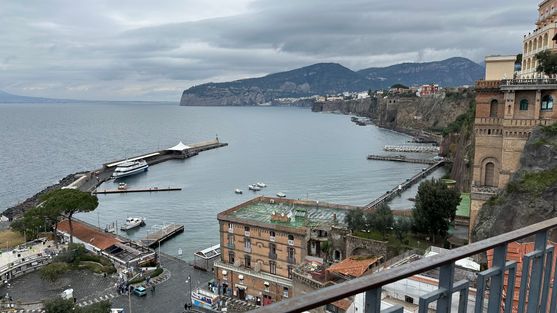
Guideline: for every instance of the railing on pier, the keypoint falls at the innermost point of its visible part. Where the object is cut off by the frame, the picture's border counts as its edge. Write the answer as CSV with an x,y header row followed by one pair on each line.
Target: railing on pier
x,y
538,286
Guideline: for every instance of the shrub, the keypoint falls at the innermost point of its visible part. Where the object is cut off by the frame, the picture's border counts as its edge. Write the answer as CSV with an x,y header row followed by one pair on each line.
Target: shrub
x,y
53,271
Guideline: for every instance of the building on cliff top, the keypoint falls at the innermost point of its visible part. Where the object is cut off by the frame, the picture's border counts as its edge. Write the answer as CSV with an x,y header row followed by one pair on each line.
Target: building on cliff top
x,y
541,39
507,110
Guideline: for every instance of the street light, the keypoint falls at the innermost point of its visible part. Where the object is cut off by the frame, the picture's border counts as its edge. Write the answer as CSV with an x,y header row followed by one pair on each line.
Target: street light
x,y
188,301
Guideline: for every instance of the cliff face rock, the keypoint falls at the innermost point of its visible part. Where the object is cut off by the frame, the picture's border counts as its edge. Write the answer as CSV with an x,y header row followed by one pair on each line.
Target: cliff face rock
x,y
331,78
361,107
531,195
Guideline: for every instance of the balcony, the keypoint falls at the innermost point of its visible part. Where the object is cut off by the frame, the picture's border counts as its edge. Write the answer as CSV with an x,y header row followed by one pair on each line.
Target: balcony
x,y
535,278
272,238
488,84
529,84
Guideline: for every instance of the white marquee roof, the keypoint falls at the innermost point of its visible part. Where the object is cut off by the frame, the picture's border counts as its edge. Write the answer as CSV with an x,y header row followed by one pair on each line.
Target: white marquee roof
x,y
179,147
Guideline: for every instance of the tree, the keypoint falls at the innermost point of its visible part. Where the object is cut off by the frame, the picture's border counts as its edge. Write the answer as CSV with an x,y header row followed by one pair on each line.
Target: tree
x,y
59,305
435,208
547,62
99,307
53,271
382,219
355,220
70,201
29,225
401,227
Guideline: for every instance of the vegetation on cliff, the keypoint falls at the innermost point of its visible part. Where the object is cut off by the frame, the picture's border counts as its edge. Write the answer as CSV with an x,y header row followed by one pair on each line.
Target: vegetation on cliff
x,y
531,194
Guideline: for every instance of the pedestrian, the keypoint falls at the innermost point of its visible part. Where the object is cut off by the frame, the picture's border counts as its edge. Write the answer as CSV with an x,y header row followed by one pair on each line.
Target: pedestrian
x,y
153,289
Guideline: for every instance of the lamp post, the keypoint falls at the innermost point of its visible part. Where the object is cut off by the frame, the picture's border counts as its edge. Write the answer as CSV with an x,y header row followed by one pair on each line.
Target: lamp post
x,y
188,300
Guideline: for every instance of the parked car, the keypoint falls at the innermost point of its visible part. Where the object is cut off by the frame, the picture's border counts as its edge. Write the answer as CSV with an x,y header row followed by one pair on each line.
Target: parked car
x,y
117,311
140,291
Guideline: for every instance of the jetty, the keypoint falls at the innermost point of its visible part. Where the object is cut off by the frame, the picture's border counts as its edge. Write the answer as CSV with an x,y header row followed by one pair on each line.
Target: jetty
x,y
161,234
89,181
409,148
152,189
400,158
390,194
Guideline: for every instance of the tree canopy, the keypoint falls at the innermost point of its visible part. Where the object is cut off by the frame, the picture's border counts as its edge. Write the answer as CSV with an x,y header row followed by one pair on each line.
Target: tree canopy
x,y
547,62
435,209
59,305
69,202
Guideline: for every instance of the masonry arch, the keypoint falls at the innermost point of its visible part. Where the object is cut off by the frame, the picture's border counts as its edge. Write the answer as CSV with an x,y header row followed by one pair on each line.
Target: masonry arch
x,y
490,173
493,108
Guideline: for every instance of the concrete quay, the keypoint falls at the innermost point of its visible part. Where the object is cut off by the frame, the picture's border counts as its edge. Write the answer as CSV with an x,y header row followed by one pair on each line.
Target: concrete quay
x,y
400,158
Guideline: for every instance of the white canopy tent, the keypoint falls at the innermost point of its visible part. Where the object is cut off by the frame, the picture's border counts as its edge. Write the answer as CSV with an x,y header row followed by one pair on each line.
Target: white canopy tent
x,y
179,147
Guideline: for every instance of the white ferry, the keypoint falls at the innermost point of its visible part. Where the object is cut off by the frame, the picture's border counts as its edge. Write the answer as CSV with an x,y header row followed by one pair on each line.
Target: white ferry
x,y
130,168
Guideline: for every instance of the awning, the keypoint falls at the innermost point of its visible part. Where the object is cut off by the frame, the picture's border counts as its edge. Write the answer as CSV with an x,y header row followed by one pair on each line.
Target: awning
x,y
179,147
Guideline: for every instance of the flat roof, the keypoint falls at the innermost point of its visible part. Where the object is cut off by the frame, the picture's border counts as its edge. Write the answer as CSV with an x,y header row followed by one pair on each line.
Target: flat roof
x,y
132,159
463,208
301,213
493,58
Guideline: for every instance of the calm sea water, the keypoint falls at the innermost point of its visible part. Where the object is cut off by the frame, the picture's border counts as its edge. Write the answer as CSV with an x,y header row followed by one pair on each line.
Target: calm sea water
x,y
292,150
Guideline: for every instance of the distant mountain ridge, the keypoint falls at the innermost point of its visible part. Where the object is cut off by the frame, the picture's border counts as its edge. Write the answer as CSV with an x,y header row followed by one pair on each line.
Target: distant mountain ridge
x,y
331,78
11,98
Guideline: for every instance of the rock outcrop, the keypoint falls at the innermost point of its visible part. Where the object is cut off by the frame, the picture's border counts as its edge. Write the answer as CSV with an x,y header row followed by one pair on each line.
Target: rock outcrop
x,y
530,196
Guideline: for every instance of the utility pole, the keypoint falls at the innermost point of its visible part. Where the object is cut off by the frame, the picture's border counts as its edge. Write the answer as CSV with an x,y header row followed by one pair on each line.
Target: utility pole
x,y
129,299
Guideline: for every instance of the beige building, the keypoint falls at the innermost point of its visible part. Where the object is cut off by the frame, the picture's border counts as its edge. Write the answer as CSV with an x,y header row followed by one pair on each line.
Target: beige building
x,y
264,239
499,67
540,39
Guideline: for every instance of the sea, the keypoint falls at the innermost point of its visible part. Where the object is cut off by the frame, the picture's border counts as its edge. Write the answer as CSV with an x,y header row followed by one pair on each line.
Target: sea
x,y
306,155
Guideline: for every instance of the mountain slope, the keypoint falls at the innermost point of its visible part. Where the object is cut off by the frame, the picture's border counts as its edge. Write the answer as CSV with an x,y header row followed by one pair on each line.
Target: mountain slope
x,y
331,78
10,98
449,72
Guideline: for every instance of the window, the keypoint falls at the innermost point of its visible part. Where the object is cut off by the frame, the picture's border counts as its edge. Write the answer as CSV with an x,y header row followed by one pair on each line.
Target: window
x,y
285,292
247,260
231,241
493,108
547,103
290,254
408,299
272,267
246,228
290,271
490,174
290,237
523,105
272,248
231,257
272,236
247,244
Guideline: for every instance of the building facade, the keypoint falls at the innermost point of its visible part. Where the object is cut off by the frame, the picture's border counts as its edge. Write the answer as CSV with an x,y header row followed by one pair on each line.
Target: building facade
x,y
264,239
540,39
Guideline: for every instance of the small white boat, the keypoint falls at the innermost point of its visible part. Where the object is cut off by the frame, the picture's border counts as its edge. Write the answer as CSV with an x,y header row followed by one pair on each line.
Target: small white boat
x,y
262,185
254,187
122,186
128,168
281,195
110,228
132,222
238,191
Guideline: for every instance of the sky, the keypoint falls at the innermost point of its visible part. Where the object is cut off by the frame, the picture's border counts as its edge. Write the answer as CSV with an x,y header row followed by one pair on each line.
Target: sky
x,y
153,50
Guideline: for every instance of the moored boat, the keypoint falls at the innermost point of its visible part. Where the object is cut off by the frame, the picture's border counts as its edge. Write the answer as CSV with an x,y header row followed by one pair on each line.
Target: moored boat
x,y
254,187
238,191
122,186
128,168
281,195
133,222
262,185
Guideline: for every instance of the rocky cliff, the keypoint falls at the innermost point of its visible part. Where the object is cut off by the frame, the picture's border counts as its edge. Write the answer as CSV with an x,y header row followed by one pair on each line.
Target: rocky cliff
x,y
531,195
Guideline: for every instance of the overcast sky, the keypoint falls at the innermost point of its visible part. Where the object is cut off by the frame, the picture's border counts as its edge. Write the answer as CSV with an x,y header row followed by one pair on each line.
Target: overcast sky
x,y
153,50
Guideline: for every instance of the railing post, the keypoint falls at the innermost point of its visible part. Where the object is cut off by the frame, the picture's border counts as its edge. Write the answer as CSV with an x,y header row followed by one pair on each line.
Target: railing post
x,y
496,288
373,301
537,272
446,279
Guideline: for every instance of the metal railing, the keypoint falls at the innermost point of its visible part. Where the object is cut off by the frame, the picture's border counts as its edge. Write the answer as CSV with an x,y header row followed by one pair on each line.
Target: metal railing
x,y
532,81
534,295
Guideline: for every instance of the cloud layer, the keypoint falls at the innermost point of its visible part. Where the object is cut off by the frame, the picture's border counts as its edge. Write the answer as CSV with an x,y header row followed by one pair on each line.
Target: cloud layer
x,y
147,50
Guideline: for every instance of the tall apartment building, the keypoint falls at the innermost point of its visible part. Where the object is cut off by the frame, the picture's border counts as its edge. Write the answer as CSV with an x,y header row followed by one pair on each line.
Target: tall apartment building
x,y
264,239
542,38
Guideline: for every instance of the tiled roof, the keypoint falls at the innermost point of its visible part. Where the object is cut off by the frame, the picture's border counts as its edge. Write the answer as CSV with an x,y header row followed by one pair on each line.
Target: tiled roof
x,y
88,234
353,266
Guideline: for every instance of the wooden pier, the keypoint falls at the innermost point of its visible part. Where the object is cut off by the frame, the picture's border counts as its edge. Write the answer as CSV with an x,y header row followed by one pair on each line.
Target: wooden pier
x,y
164,233
400,158
389,195
152,189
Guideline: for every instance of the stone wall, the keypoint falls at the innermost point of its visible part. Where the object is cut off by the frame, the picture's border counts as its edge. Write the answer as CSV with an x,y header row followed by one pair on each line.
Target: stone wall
x,y
361,246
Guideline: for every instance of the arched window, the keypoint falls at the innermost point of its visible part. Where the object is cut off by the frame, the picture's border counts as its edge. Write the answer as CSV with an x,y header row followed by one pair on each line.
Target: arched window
x,y
336,255
545,40
547,103
540,42
523,105
493,108
489,179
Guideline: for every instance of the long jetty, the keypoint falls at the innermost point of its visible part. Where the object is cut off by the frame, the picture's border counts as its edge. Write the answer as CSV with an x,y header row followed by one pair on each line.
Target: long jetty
x,y
91,180
389,195
400,158
152,189
408,148
164,233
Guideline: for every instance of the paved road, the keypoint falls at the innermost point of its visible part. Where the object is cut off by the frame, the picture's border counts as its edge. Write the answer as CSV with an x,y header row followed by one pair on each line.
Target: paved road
x,y
170,296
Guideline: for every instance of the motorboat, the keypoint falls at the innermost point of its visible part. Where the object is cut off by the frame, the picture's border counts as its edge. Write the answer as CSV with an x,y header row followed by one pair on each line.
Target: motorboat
x,y
254,187
122,186
133,222
110,228
281,195
238,191
262,185
128,168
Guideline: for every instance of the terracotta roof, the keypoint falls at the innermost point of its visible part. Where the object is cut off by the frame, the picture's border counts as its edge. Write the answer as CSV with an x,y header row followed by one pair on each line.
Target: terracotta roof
x,y
343,304
88,234
515,252
353,266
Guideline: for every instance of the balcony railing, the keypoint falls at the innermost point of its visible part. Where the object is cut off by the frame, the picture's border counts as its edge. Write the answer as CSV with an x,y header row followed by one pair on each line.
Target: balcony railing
x,y
529,84
534,293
